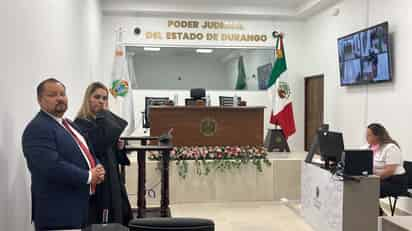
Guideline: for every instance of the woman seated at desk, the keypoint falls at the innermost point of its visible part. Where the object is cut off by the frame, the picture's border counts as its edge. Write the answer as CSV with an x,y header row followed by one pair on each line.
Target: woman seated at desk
x,y
387,161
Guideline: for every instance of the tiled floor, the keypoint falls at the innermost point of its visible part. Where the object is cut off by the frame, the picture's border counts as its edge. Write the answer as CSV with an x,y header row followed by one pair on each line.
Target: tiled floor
x,y
244,216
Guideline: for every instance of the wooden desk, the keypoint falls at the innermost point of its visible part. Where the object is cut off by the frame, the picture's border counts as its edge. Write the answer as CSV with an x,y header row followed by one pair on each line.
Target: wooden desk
x,y
329,204
199,125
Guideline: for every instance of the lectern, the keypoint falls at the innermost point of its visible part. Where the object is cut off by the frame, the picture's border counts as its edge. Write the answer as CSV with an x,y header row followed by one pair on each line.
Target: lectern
x,y
164,150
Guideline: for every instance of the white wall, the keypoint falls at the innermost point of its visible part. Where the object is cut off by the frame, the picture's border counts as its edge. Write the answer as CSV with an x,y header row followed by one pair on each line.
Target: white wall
x,y
162,72
351,109
42,38
294,43
4,171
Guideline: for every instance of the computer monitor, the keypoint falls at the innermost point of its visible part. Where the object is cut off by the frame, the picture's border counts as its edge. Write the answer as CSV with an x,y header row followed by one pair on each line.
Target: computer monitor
x,y
357,162
330,146
314,147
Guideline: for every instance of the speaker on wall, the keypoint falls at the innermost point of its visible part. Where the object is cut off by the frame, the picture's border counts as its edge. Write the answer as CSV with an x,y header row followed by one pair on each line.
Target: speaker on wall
x,y
137,31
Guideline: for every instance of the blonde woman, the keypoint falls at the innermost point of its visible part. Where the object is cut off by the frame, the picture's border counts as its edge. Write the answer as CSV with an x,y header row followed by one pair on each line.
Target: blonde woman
x,y
102,129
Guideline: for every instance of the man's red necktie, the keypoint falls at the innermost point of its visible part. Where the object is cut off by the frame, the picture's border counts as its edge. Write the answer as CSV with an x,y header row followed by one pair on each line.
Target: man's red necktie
x,y
84,148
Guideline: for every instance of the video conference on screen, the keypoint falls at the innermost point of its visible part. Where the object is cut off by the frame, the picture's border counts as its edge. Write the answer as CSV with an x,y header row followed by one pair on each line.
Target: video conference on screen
x,y
364,56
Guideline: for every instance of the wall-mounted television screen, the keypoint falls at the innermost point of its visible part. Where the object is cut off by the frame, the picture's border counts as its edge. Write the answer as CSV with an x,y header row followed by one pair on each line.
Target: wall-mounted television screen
x,y
364,56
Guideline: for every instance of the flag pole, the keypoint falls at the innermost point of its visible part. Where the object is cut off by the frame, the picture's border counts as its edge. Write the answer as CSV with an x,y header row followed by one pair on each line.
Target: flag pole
x,y
275,138
119,35
276,34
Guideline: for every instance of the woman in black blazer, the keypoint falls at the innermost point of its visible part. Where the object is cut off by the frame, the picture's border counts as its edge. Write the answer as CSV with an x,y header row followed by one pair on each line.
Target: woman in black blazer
x,y
110,203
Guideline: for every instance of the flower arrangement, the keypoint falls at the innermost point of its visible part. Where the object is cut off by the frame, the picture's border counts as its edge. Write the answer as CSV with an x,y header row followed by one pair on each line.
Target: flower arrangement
x,y
208,158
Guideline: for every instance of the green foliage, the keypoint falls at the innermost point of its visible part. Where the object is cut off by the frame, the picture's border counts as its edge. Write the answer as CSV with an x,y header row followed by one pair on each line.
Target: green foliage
x,y
217,158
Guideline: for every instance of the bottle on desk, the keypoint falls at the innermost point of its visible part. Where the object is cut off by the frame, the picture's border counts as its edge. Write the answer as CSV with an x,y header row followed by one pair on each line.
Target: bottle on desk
x,y
176,99
208,101
235,101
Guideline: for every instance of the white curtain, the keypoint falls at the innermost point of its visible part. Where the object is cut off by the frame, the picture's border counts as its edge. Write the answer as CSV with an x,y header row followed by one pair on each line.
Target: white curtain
x,y
134,85
130,63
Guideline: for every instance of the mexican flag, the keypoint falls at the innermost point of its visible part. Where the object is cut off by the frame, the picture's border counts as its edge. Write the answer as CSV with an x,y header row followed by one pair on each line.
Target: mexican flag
x,y
282,111
241,76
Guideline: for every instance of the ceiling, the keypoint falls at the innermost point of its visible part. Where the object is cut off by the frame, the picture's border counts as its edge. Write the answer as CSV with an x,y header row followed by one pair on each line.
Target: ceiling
x,y
287,9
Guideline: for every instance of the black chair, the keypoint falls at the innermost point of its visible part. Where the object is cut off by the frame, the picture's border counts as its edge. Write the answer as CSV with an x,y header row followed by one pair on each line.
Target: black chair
x,y
192,101
172,224
407,165
152,101
227,100
408,168
197,93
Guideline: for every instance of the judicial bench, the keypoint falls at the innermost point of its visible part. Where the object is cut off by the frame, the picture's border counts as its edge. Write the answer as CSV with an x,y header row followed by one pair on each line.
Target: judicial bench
x,y
192,126
197,125
200,125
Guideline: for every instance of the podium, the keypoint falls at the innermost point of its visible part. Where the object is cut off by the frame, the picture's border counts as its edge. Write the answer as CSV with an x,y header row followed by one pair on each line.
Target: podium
x,y
142,210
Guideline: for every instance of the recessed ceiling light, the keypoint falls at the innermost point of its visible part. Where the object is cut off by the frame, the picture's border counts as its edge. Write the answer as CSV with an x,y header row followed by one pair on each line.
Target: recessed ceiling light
x,y
151,48
204,51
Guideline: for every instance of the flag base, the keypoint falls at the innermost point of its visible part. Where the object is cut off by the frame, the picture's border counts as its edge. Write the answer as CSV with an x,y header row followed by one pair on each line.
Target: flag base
x,y
275,141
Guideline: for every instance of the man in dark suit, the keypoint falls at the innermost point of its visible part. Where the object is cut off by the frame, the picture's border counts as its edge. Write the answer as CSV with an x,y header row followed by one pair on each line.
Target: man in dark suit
x,y
64,172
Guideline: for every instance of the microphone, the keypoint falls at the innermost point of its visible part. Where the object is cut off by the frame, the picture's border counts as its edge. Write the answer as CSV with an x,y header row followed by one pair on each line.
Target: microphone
x,y
166,137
